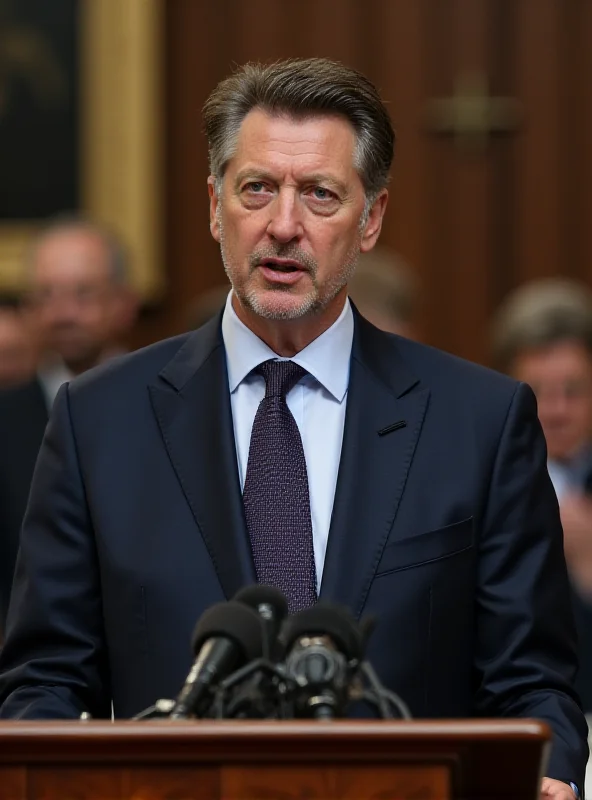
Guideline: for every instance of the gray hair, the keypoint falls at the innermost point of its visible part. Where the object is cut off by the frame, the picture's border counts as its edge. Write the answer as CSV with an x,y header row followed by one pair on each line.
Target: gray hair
x,y
540,314
302,88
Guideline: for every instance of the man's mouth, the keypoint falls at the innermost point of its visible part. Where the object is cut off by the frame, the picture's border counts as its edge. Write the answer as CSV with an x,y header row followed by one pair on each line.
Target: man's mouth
x,y
282,265
282,271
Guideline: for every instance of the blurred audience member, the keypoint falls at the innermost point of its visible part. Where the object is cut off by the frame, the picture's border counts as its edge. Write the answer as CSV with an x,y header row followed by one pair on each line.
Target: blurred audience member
x,y
79,298
385,291
17,344
206,305
543,336
80,304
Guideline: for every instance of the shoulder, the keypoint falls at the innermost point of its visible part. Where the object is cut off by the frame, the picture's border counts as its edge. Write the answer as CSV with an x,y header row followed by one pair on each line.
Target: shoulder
x,y
443,374
130,371
476,405
444,371
121,384
471,397
463,396
114,398
182,355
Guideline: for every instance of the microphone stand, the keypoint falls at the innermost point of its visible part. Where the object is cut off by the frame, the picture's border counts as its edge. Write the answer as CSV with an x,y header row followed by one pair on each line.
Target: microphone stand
x,y
160,710
276,695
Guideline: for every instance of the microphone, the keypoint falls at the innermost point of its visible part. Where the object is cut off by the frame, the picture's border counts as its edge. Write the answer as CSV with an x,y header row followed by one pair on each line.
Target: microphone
x,y
227,636
271,605
324,646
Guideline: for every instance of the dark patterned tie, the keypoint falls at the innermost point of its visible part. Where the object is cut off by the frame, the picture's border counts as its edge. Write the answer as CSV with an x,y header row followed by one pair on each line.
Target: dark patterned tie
x,y
275,496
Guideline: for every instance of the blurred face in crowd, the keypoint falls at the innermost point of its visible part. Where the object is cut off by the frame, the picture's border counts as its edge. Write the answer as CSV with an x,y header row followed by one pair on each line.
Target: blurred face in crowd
x,y
75,300
17,348
561,377
383,318
288,218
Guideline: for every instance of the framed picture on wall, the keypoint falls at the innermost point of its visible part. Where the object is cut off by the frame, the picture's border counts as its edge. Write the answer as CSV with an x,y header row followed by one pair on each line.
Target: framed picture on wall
x,y
80,126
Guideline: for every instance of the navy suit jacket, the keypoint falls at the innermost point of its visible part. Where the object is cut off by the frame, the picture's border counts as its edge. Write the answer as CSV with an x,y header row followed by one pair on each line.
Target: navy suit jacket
x,y
445,527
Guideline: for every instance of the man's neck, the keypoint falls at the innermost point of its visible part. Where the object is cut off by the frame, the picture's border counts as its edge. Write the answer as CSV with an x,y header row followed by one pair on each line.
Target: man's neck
x,y
288,337
580,455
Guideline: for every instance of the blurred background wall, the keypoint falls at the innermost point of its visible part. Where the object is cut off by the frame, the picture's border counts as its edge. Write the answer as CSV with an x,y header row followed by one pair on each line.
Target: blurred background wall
x,y
491,99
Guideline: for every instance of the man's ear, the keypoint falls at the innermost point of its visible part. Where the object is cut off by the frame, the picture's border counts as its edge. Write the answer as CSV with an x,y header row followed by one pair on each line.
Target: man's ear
x,y
214,203
373,226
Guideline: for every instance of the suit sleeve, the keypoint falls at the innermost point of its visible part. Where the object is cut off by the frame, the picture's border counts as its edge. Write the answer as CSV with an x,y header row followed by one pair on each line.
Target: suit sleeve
x,y
54,663
526,649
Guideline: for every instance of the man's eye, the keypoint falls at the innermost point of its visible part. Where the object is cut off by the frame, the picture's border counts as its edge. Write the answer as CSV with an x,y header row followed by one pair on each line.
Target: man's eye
x,y
255,186
320,193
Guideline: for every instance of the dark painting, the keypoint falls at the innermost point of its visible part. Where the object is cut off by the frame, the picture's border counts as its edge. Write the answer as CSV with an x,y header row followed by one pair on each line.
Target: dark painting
x,y
39,119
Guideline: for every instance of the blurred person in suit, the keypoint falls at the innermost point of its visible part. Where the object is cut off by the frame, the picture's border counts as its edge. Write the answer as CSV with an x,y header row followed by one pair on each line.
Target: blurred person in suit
x,y
206,305
18,350
542,335
80,305
289,441
385,291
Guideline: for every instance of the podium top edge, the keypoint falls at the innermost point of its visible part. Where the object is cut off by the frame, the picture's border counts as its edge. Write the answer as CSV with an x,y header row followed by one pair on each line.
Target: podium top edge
x,y
455,729
190,743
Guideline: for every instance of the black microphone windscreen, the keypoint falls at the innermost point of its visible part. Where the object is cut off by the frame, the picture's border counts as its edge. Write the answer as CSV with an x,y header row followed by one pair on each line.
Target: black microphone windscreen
x,y
329,619
234,621
258,594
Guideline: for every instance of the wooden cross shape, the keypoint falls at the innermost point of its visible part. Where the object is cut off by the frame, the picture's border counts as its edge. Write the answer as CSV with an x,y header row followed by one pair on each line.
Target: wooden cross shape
x,y
471,115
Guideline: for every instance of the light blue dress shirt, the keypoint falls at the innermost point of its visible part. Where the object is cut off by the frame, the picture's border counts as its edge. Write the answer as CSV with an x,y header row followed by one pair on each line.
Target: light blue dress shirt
x,y
570,476
318,403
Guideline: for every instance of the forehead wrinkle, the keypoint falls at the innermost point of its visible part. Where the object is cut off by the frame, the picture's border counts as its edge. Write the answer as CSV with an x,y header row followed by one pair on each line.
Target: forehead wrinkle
x,y
294,147
285,151
321,154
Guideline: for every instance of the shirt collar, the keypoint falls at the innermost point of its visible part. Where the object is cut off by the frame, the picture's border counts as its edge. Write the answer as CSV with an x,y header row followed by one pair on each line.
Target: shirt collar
x,y
577,467
51,376
326,358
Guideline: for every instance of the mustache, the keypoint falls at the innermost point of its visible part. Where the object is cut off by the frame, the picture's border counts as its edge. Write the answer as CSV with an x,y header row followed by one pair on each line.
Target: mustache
x,y
289,251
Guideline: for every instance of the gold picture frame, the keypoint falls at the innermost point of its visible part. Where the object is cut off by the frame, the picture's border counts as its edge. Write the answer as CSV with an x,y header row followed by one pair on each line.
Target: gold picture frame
x,y
122,61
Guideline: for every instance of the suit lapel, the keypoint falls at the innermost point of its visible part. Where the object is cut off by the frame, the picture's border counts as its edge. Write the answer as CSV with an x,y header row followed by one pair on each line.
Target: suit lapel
x,y
385,411
191,402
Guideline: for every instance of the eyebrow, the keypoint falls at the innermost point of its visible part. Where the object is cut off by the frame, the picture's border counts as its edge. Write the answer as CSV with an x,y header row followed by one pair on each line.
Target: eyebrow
x,y
316,178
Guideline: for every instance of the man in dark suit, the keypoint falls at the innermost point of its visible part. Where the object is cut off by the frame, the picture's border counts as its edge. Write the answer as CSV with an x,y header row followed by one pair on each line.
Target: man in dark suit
x,y
542,335
292,442
17,345
23,417
79,303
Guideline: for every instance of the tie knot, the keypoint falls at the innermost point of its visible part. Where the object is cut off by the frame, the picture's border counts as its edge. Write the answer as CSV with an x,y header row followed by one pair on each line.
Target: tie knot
x,y
280,376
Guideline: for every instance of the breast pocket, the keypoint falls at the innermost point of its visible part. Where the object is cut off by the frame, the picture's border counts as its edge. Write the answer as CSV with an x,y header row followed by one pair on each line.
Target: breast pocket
x,y
426,547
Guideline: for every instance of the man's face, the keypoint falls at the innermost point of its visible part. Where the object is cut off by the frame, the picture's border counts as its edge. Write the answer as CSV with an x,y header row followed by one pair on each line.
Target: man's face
x,y
561,377
74,298
288,218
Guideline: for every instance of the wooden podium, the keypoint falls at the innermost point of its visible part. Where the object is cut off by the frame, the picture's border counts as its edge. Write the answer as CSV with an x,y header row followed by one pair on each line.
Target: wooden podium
x,y
226,760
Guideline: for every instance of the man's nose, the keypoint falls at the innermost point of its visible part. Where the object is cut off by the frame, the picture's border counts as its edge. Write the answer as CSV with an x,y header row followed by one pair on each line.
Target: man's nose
x,y
285,222
62,306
